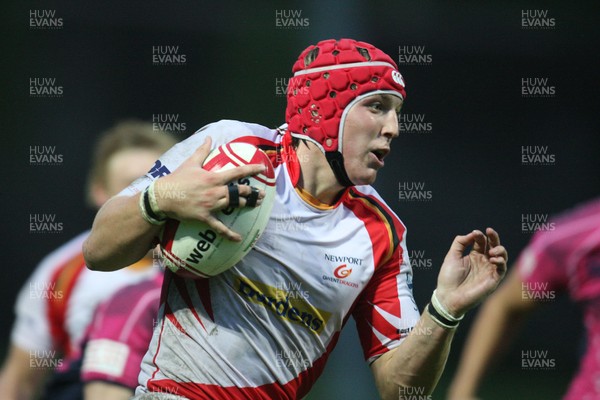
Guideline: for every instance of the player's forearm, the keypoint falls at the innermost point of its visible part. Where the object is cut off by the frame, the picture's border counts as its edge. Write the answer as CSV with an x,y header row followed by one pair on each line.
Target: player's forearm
x,y
415,366
104,390
14,389
18,380
119,237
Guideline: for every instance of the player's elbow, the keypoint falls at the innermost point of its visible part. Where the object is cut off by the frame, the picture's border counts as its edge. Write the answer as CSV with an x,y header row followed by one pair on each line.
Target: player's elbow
x,y
93,258
91,261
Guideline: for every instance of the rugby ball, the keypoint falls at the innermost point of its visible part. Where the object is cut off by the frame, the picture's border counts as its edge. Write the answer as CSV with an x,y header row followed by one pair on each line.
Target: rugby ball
x,y
193,249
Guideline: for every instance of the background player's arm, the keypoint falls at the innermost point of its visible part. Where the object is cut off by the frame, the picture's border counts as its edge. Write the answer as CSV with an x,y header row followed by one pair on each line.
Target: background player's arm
x,y
18,380
463,282
120,236
97,390
495,326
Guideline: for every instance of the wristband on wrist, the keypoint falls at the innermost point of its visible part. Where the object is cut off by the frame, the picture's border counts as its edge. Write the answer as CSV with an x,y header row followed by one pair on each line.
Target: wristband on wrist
x,y
149,207
439,319
154,210
442,310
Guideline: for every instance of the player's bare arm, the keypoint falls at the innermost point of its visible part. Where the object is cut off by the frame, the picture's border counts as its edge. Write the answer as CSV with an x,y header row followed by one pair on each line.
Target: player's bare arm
x,y
98,390
121,236
463,282
17,370
493,330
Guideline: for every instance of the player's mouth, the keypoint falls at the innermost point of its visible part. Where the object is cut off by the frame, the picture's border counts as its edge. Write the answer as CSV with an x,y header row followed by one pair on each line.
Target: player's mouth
x,y
380,154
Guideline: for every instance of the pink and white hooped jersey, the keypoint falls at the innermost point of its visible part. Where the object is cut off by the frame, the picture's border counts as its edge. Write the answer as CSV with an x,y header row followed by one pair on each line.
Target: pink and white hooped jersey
x,y
265,328
565,257
118,337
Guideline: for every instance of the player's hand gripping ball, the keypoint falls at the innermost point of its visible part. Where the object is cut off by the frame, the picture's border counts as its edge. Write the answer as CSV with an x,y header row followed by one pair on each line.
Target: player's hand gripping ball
x,y
194,249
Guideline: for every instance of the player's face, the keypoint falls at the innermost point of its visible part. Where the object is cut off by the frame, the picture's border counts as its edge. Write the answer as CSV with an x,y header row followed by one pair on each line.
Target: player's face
x,y
122,169
370,126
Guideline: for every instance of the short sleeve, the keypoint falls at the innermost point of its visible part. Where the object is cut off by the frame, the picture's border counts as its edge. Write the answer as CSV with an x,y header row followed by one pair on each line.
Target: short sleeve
x,y
31,329
386,311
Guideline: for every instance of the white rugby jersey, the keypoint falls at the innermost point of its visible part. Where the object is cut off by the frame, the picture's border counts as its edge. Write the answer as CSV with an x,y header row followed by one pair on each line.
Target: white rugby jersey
x,y
265,328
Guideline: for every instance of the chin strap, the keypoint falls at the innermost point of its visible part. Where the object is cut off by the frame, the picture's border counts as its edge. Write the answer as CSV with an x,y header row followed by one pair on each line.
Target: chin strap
x,y
336,162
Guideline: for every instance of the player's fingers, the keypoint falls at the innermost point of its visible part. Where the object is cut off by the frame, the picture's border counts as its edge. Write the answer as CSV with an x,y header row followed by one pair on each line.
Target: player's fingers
x,y
240,172
493,237
480,242
459,244
248,191
234,196
498,252
198,157
222,229
253,197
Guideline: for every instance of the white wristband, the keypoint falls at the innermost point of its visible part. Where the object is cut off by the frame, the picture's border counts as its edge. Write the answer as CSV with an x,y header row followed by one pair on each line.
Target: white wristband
x,y
443,312
154,204
144,205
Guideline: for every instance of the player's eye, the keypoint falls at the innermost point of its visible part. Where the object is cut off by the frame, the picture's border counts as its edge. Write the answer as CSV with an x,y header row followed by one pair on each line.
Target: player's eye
x,y
376,106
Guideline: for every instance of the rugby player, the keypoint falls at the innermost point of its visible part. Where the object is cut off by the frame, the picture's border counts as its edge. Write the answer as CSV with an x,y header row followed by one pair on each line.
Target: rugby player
x,y
248,333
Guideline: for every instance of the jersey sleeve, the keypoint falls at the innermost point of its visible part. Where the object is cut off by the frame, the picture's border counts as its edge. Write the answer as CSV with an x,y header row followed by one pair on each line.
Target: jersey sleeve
x,y
386,311
31,329
558,258
119,336
542,268
221,132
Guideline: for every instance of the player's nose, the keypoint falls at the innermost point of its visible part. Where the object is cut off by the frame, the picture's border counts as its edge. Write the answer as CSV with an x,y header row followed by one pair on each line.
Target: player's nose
x,y
390,128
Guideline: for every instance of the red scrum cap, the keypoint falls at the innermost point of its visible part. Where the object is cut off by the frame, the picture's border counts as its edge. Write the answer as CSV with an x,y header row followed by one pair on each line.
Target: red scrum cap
x,y
329,78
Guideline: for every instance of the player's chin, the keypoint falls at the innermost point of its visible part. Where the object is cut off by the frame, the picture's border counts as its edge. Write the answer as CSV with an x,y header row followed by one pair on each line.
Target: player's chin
x,y
367,177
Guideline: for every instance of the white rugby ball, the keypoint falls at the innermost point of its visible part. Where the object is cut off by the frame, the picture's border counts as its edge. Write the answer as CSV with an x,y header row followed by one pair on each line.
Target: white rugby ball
x,y
194,249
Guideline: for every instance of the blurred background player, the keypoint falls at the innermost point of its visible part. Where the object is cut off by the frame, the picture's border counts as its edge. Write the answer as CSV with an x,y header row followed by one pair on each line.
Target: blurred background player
x,y
56,304
565,258
107,362
231,338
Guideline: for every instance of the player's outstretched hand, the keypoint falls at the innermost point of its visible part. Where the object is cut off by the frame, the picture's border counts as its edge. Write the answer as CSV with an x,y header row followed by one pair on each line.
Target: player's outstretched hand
x,y
465,280
192,193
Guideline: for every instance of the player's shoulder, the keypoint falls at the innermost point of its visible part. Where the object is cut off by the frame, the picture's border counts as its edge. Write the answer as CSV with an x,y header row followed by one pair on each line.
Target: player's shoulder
x,y
366,199
387,231
580,212
227,130
60,256
367,194
568,227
